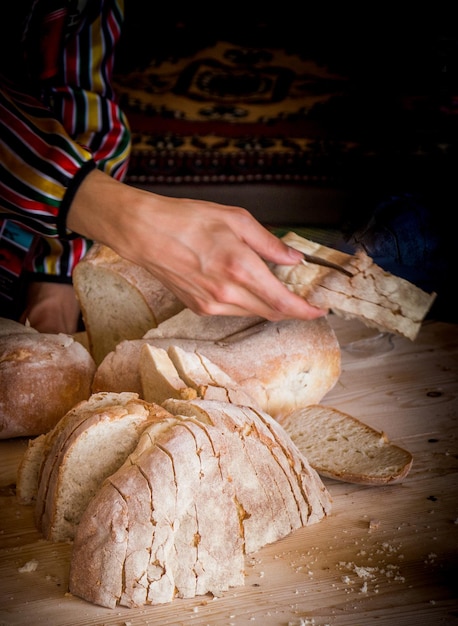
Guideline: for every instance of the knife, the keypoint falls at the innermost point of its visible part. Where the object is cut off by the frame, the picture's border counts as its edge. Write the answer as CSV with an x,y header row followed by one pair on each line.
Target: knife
x,y
317,260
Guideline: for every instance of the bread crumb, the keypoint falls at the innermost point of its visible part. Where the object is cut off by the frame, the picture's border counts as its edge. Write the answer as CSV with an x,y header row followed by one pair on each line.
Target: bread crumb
x,y
30,566
374,524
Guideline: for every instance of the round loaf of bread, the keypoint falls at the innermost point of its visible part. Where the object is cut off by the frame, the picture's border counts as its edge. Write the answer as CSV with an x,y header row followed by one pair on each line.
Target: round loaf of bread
x,y
282,366
42,376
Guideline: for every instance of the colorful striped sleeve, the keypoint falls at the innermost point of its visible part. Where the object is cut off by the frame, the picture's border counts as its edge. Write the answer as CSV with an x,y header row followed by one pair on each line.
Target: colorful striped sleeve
x,y
50,139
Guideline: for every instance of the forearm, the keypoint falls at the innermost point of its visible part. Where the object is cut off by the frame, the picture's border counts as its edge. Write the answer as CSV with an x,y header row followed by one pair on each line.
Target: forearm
x,y
213,257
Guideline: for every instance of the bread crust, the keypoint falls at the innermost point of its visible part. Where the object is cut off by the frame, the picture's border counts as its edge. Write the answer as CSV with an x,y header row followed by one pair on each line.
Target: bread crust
x,y
375,297
213,462
281,365
42,376
118,299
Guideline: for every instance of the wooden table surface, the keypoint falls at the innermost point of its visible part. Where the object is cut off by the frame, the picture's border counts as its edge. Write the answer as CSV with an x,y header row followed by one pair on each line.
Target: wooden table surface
x,y
385,556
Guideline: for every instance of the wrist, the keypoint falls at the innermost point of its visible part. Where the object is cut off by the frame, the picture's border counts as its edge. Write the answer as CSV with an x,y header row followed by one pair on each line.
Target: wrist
x,y
93,207
70,194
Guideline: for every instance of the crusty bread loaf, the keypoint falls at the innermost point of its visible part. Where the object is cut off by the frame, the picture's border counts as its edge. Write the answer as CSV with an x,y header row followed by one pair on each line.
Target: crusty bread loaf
x,y
188,325
11,327
342,447
92,441
42,376
166,505
118,299
281,365
370,294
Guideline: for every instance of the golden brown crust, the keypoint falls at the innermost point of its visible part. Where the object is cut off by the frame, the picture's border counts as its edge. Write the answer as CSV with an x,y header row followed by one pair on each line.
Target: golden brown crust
x,y
281,365
213,462
42,376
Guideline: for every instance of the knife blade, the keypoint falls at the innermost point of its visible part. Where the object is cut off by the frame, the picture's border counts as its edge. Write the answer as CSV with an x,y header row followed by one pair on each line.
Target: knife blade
x,y
317,260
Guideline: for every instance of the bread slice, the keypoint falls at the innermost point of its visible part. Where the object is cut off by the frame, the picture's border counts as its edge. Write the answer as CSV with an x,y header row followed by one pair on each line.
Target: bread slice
x,y
159,377
95,440
377,298
342,447
29,469
118,299
167,502
31,465
209,380
282,366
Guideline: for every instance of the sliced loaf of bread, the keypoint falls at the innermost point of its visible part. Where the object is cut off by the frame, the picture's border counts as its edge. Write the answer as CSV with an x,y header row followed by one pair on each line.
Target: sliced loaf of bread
x,y
215,483
119,299
282,366
93,440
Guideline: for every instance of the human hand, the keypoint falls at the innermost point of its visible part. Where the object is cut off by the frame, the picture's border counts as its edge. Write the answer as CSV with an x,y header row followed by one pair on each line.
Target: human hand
x,y
211,256
51,308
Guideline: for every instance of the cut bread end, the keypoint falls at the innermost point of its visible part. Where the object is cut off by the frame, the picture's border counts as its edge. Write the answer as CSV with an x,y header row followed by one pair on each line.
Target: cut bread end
x,y
342,447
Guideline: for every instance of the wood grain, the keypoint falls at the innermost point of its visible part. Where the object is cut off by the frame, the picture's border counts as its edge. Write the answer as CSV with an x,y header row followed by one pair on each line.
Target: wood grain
x,y
386,555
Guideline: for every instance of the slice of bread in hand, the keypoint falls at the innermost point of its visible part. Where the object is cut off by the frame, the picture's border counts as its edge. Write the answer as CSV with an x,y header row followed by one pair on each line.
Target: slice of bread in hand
x,y
340,446
376,297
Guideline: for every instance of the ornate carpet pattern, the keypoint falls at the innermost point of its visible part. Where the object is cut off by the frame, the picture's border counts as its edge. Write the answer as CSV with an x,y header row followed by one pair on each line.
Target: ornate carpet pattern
x,y
228,111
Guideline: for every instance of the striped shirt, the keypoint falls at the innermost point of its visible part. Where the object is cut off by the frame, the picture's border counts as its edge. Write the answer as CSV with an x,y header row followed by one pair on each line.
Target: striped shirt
x,y
58,120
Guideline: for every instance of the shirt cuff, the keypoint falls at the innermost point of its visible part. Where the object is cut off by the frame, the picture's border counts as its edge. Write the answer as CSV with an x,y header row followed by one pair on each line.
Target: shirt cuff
x,y
67,200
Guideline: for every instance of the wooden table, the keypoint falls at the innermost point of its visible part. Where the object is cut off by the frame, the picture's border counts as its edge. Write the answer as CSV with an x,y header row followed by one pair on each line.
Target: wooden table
x,y
385,556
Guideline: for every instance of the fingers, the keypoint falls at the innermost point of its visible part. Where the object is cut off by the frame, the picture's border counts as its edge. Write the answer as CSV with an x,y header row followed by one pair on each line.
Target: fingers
x,y
262,241
51,308
252,293
213,257
214,267
251,306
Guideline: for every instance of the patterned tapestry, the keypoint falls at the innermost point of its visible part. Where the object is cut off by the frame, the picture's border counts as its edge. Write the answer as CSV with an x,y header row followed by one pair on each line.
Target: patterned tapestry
x,y
257,102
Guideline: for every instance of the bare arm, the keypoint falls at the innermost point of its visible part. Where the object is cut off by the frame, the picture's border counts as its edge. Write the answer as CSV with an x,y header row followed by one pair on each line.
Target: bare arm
x,y
210,255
